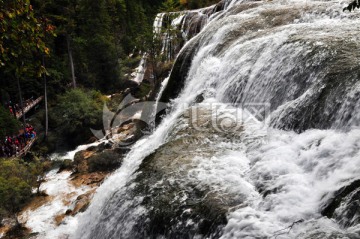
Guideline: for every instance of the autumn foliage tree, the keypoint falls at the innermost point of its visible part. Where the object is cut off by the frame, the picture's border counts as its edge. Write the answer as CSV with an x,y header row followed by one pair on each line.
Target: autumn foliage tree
x,y
22,43
22,38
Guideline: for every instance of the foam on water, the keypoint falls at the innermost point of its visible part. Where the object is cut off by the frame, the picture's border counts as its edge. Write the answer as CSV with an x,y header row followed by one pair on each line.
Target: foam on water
x,y
300,172
70,154
59,190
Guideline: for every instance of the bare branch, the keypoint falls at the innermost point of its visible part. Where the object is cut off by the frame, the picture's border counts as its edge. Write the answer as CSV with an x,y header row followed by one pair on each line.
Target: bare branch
x,y
280,232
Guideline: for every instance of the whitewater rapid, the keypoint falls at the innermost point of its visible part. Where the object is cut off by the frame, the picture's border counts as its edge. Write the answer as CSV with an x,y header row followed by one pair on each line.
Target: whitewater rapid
x,y
277,175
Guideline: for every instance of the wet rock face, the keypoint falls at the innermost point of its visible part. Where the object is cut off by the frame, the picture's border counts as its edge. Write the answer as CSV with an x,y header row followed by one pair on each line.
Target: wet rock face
x,y
179,73
177,209
324,106
344,206
99,158
165,199
108,156
177,205
348,213
105,161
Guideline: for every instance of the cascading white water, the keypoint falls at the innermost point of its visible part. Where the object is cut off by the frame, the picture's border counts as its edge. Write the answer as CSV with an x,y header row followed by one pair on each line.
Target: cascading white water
x,y
185,23
140,70
297,170
291,55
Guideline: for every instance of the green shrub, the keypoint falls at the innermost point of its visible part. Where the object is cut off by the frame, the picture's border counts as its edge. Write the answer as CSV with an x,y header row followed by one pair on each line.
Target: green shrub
x,y
16,180
14,193
78,110
8,124
144,90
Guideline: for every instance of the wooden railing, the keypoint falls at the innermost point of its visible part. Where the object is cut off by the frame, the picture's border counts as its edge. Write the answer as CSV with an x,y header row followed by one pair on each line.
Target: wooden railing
x,y
24,150
29,107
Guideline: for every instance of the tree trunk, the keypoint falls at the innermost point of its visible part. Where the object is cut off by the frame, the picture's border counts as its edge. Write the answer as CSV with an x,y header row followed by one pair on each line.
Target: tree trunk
x,y
46,104
71,61
21,100
13,108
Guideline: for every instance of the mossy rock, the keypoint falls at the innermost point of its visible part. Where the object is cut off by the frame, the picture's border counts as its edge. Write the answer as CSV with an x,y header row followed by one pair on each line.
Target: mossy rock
x,y
107,160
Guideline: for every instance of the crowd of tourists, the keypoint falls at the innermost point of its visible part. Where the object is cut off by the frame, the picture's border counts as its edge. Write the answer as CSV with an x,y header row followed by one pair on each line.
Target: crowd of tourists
x,y
12,145
17,107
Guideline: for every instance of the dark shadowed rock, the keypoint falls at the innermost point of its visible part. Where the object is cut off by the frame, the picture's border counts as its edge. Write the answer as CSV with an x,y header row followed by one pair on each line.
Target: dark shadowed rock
x,y
344,206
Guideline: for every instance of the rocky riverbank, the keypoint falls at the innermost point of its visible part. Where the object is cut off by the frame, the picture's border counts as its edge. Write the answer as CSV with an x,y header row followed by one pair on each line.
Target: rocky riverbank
x,y
68,189
63,195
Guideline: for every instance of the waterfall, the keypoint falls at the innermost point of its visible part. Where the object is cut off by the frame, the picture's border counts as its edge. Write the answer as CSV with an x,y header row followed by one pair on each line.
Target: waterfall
x,y
140,70
176,28
262,135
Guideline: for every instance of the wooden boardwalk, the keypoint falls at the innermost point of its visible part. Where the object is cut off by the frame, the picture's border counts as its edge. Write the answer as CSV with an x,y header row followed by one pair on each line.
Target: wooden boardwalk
x,y
30,142
26,149
29,107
